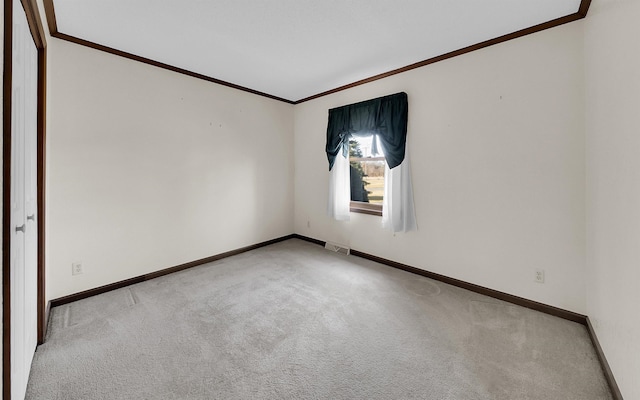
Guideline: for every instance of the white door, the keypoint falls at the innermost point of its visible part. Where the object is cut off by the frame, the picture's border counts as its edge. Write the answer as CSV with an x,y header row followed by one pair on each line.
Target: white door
x,y
23,277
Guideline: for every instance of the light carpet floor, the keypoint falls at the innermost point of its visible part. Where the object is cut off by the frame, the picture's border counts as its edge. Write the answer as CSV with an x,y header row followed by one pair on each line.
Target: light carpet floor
x,y
294,321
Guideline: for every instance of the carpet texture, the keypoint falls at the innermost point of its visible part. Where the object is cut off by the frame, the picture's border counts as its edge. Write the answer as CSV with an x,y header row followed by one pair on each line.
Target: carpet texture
x,y
294,321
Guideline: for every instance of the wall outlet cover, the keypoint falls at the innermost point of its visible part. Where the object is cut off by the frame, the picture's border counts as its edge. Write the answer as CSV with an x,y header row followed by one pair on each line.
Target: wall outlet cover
x,y
76,268
539,276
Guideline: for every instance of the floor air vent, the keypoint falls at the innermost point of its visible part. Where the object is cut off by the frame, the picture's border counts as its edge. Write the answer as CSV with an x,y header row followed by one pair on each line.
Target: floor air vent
x,y
337,248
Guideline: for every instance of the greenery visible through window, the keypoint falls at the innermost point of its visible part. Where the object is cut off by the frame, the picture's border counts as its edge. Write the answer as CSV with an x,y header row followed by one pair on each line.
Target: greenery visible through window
x,y
367,175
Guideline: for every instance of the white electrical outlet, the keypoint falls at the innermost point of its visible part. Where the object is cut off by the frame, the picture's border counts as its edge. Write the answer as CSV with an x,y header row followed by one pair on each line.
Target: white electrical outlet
x,y
76,268
539,276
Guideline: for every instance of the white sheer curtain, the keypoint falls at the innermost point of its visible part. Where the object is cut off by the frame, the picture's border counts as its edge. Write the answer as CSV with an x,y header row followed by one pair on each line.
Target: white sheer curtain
x,y
398,211
339,189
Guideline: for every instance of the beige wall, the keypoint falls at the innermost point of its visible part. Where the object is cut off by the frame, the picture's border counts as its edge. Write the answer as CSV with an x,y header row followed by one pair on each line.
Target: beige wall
x,y
612,69
497,151
148,169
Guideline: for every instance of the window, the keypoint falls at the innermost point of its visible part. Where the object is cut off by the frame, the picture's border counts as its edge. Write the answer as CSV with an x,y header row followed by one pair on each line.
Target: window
x,y
384,118
367,175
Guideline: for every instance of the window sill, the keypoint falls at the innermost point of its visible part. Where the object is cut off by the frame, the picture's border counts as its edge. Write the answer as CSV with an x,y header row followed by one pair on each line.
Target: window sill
x,y
366,208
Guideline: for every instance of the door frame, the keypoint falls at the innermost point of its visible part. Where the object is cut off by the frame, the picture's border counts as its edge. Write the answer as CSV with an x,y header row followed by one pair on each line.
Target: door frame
x,y
37,33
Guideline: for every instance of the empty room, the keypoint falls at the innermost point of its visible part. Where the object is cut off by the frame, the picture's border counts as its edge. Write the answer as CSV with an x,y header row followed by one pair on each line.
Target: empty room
x,y
321,200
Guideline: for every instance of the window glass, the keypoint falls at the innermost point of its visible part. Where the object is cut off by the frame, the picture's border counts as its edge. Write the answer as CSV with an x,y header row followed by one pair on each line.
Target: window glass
x,y
367,170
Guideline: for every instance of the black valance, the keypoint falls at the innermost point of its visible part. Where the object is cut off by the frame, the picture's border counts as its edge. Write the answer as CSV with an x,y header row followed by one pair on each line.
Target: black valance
x,y
384,117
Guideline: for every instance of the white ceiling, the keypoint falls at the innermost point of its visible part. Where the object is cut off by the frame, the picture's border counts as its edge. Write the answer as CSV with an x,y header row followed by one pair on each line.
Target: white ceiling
x,y
294,49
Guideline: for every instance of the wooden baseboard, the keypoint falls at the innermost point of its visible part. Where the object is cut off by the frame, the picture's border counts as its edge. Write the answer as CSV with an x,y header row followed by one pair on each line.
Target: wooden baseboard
x,y
142,278
545,308
606,369
521,301
308,239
